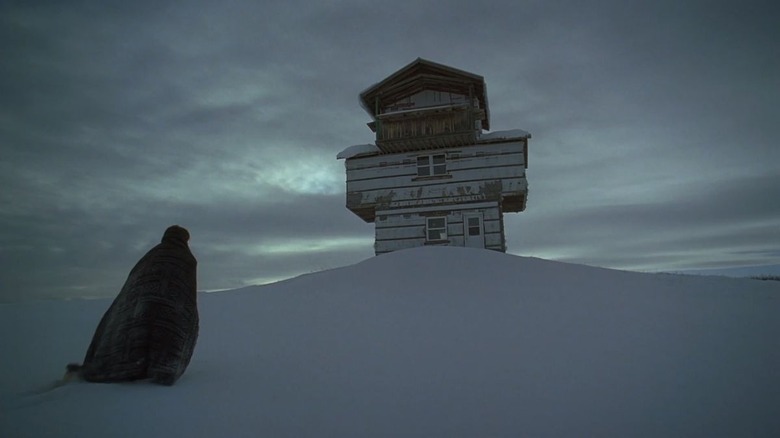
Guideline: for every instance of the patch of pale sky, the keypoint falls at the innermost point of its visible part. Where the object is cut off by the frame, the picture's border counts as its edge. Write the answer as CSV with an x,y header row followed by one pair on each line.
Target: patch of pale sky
x,y
548,252
310,176
293,170
253,179
294,249
684,259
292,246
682,251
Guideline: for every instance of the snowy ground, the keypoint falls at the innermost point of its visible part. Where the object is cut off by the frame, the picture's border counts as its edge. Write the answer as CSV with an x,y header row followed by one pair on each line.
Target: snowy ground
x,y
433,342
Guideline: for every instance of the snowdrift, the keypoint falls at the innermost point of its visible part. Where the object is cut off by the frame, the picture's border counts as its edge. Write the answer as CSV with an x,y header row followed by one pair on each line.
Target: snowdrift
x,y
444,342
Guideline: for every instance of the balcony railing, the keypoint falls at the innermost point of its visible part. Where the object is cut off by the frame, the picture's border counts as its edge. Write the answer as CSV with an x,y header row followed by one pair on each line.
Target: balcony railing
x,y
438,128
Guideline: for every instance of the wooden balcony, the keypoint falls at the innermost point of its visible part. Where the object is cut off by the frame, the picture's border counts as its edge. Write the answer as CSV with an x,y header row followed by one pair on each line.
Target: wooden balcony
x,y
431,128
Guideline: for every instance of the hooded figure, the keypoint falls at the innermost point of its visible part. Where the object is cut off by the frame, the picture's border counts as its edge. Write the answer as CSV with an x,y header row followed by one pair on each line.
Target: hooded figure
x,y
151,328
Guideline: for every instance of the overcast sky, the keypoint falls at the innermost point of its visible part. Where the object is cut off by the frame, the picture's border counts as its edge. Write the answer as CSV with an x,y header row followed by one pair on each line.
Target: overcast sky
x,y
654,131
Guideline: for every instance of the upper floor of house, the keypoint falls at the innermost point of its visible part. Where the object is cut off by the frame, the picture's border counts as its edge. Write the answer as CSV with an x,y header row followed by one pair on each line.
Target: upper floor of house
x,y
492,169
426,105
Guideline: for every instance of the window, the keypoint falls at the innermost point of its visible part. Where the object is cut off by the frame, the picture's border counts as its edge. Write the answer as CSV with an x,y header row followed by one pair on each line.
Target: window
x,y
428,165
473,226
436,228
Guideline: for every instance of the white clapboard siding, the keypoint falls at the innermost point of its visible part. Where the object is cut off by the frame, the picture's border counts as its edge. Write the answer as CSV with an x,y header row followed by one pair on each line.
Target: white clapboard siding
x,y
441,193
492,241
493,154
405,232
399,231
474,173
418,232
492,226
383,246
411,180
385,166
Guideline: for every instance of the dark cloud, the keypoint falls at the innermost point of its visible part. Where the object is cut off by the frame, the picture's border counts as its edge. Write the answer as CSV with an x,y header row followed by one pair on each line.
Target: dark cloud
x,y
701,224
651,129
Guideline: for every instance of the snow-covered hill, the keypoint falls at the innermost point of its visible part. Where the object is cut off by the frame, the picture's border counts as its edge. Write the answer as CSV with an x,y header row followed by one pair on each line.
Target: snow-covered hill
x,y
434,342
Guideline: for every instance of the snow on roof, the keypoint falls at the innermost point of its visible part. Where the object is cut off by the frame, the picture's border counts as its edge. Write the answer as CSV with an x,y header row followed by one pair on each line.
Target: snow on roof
x,y
358,149
505,135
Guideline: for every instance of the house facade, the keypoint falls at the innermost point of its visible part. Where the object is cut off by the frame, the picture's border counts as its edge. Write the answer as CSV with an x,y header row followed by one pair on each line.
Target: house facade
x,y
433,177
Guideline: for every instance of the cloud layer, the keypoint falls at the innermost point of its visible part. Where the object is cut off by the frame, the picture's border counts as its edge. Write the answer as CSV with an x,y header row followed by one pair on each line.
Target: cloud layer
x,y
651,131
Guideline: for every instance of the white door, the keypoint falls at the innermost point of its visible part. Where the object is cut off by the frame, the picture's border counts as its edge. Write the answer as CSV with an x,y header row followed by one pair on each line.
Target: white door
x,y
473,230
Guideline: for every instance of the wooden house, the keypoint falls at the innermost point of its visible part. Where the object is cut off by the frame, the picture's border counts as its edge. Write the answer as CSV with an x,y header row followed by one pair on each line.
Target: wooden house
x,y
433,177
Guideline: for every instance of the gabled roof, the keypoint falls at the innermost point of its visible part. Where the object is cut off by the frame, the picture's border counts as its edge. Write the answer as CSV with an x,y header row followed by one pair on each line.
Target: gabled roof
x,y
420,75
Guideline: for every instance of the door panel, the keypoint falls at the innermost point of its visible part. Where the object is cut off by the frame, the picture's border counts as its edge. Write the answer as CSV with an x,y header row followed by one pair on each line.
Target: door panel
x,y
473,230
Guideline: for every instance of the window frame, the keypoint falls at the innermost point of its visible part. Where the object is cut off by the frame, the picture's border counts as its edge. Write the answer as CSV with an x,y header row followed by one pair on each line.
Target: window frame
x,y
430,167
477,226
442,230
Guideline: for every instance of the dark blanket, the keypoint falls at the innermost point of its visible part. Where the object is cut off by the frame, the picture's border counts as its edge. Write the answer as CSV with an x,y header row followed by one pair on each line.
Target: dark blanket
x,y
151,328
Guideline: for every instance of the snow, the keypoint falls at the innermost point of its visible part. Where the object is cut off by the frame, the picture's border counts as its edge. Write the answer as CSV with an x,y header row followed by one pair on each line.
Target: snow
x,y
504,135
359,149
427,342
